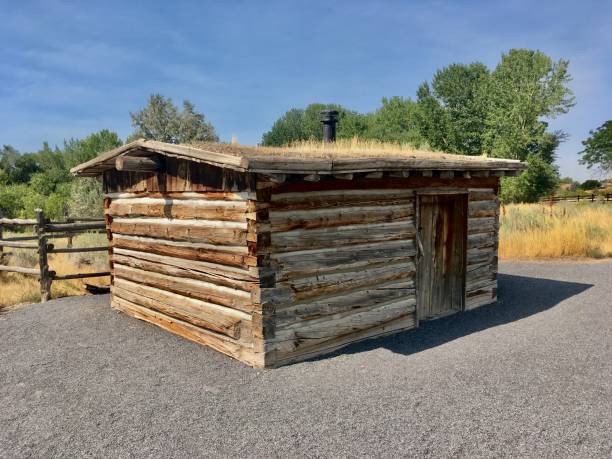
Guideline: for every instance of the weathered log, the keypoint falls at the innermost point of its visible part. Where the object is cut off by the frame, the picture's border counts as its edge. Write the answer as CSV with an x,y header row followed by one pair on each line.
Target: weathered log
x,y
18,221
81,275
60,227
77,249
207,231
183,268
203,314
323,218
206,291
212,339
233,256
138,163
18,245
18,269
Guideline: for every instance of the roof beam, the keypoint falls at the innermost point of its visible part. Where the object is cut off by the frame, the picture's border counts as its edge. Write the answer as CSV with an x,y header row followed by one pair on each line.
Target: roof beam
x,y
138,163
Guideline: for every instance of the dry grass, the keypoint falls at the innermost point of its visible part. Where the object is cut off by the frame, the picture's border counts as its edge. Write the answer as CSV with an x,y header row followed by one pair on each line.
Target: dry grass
x,y
16,288
347,148
532,231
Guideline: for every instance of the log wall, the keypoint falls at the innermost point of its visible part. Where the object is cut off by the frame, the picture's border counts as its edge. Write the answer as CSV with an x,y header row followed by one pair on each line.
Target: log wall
x,y
180,255
343,257
271,273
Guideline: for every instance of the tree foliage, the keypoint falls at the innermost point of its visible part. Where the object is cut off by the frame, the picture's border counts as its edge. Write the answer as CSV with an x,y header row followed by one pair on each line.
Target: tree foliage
x,y
471,110
161,120
540,179
598,148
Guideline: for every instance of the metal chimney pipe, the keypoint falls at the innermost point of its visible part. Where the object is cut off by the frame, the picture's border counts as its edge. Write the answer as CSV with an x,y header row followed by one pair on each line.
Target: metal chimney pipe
x,y
329,118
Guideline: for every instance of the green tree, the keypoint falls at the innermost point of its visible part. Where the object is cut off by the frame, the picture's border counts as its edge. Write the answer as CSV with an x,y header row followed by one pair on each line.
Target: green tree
x,y
79,151
395,121
540,179
598,148
433,121
161,120
525,87
460,90
85,194
305,124
590,184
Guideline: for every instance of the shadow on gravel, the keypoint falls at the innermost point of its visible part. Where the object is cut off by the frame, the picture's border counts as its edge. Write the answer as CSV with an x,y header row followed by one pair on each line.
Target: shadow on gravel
x,y
518,297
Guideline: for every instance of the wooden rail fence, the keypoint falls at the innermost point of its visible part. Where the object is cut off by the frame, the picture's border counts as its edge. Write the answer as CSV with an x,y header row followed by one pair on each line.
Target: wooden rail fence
x,y
46,230
607,197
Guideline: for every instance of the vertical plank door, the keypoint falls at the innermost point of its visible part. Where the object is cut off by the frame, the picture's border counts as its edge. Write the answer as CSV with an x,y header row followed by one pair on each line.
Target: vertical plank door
x,y
442,242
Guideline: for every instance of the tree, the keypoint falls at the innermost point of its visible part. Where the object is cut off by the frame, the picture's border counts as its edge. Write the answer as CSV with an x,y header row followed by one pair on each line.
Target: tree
x,y
524,87
161,120
590,184
305,124
287,129
395,121
79,151
85,194
540,179
460,90
598,148
433,121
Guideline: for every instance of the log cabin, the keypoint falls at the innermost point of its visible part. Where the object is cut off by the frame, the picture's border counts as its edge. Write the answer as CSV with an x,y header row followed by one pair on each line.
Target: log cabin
x,y
276,255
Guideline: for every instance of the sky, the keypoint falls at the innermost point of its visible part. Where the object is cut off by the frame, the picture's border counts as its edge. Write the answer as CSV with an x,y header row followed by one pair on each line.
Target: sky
x,y
70,68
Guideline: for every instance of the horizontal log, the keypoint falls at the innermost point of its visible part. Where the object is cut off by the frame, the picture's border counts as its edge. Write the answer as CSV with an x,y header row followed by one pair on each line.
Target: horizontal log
x,y
208,274
388,183
179,209
287,220
302,239
481,240
227,255
305,262
289,351
207,315
482,194
331,283
19,269
482,225
206,291
206,231
78,249
343,301
60,227
216,341
340,198
238,273
479,209
138,163
341,323
188,195
18,221
81,275
20,238
17,244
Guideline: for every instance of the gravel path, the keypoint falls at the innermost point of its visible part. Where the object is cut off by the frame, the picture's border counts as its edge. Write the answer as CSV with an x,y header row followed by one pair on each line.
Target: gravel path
x,y
529,376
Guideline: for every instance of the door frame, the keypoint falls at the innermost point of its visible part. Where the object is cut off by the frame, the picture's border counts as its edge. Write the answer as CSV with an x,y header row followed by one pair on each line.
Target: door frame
x,y
419,246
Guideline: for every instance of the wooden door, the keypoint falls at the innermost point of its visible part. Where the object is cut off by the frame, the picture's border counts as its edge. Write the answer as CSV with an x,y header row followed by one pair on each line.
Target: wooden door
x,y
442,243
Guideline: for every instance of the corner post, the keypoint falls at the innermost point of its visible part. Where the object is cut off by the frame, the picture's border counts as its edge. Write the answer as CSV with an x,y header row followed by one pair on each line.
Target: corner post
x,y
45,276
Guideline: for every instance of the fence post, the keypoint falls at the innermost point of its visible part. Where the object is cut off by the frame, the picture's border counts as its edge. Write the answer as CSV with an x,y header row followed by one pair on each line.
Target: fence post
x,y
45,277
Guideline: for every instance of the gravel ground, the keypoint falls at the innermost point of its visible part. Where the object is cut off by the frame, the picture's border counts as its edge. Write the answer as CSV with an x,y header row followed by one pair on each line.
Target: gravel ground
x,y
529,376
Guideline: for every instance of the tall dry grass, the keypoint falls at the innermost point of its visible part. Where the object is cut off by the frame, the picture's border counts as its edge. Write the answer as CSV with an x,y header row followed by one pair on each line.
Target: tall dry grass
x,y
532,231
16,288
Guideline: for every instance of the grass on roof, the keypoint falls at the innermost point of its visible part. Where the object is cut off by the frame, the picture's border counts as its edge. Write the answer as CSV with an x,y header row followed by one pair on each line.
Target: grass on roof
x,y
348,148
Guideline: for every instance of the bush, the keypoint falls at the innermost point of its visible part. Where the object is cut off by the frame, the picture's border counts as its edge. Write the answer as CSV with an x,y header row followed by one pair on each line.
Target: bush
x,y
540,179
86,197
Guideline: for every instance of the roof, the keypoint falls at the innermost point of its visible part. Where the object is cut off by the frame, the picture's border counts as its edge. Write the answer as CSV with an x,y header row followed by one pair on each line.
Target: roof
x,y
306,159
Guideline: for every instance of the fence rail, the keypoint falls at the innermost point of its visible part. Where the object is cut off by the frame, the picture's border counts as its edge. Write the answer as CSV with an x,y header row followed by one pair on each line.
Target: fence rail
x,y
607,197
45,230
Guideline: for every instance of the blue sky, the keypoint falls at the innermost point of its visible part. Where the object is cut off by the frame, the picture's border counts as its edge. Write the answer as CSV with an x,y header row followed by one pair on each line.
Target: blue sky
x,y
69,68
